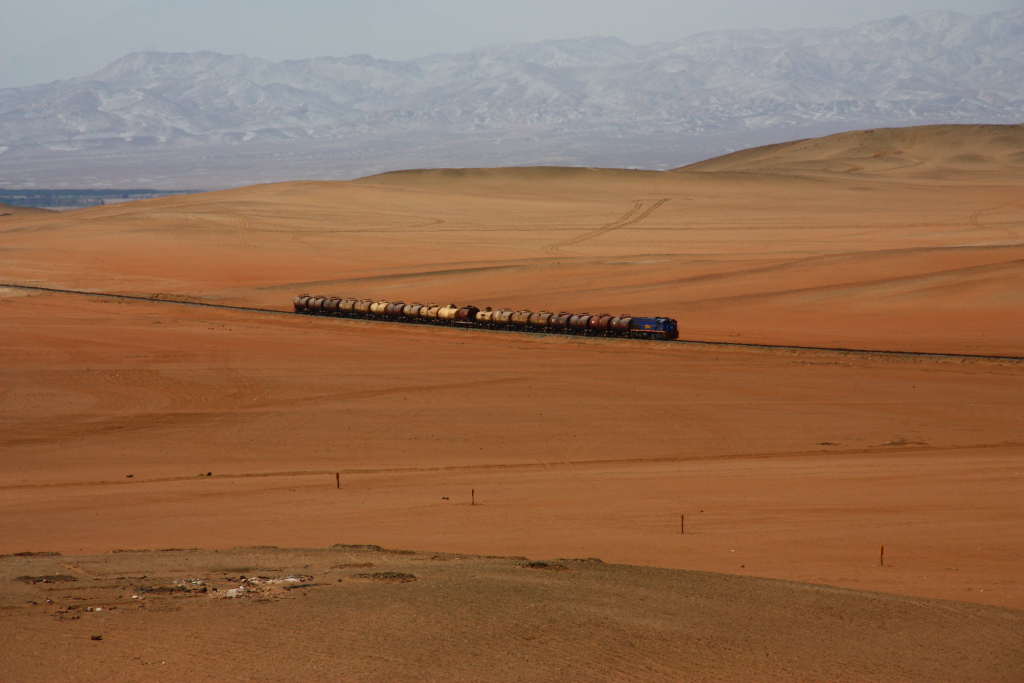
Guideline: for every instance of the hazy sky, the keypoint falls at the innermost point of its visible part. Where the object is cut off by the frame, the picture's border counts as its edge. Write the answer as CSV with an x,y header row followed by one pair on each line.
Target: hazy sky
x,y
43,40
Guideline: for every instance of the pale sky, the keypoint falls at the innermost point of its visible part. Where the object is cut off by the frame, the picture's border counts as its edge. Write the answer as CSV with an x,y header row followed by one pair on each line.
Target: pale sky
x,y
44,40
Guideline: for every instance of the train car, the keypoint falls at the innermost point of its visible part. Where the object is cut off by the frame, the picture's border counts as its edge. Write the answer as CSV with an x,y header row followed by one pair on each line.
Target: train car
x,y
520,319
654,328
467,315
560,322
621,325
579,323
347,307
485,317
601,324
394,309
449,314
503,318
541,321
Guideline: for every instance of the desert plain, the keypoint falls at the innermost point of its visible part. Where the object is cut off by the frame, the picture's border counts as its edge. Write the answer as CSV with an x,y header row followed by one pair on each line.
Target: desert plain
x,y
850,375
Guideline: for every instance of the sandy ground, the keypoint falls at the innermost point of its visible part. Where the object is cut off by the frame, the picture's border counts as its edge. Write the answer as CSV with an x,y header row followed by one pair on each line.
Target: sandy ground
x,y
787,465
927,257
363,614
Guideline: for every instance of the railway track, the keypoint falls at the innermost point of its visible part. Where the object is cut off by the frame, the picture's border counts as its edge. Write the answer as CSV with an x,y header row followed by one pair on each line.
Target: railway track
x,y
738,345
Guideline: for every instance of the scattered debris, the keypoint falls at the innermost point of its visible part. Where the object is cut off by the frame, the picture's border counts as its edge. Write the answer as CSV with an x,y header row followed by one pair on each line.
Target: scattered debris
x,y
545,565
390,577
143,590
581,559
97,637
46,578
265,586
193,585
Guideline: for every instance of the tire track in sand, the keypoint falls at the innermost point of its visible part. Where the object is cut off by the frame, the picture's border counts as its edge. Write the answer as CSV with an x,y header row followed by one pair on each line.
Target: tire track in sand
x,y
243,231
998,209
628,218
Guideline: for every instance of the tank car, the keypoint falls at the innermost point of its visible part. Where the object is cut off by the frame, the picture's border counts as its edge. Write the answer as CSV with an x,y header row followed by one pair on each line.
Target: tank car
x,y
347,307
579,323
521,319
560,322
449,314
540,321
485,317
467,315
600,324
621,325
503,318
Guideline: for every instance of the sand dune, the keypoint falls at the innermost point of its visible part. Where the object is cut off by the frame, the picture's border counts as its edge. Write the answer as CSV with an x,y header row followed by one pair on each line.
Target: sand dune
x,y
792,465
8,210
901,152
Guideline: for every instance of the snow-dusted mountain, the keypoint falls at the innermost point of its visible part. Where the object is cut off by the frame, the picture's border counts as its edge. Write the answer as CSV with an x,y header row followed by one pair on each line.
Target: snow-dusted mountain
x,y
930,68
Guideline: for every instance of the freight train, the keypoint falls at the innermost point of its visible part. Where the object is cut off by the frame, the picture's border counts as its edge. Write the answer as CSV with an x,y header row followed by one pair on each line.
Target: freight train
x,y
603,325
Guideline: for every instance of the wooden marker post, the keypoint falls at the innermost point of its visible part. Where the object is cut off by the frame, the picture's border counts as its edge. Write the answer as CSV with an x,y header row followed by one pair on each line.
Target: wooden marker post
x,y
682,524
337,479
881,556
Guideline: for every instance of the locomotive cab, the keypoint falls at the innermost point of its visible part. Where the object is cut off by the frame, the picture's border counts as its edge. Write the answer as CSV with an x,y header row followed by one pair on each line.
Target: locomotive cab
x,y
654,328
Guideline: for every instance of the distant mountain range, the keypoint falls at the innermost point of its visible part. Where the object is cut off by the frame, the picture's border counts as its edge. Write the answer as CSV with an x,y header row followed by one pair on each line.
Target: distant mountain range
x,y
557,101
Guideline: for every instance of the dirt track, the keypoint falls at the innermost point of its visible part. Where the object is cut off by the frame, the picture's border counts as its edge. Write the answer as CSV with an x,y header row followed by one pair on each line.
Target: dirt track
x,y
787,464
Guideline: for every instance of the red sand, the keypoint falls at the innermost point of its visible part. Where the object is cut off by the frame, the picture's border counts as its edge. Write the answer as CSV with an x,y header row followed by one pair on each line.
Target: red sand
x,y
803,463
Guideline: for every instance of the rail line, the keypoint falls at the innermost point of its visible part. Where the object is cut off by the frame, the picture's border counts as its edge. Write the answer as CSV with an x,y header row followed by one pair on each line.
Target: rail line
x,y
738,345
